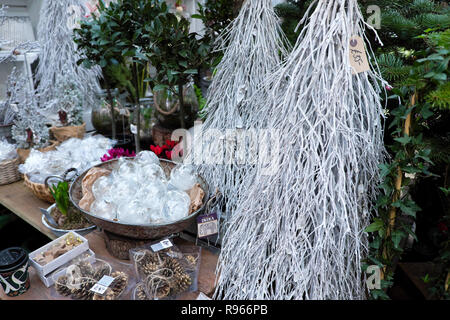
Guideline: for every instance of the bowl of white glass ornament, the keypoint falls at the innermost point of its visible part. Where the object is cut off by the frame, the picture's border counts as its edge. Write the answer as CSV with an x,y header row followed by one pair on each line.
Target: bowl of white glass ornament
x,y
143,197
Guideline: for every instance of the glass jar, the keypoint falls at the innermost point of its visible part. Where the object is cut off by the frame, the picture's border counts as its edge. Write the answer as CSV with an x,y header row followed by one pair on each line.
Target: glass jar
x,y
101,114
167,107
147,119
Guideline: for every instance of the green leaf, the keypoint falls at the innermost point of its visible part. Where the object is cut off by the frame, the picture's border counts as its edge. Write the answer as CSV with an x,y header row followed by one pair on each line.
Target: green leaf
x,y
426,112
375,226
397,236
440,77
379,294
403,140
191,71
160,87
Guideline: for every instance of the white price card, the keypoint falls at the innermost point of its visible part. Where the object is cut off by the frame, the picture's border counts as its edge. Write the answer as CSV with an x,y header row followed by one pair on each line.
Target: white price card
x,y
102,285
164,244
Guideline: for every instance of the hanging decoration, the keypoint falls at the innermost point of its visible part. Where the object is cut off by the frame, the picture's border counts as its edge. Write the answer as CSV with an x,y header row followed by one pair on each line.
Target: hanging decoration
x,y
298,233
59,54
256,45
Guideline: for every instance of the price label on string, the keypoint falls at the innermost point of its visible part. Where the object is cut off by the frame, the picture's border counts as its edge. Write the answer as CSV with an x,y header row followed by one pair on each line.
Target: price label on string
x,y
102,285
164,244
207,225
358,56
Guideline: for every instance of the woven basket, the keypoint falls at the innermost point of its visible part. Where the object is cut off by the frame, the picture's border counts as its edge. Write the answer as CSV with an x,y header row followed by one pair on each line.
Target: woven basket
x,y
39,190
62,134
9,171
24,153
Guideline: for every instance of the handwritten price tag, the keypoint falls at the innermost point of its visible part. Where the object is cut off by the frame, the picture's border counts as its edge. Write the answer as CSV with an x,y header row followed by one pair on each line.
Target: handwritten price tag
x,y
358,56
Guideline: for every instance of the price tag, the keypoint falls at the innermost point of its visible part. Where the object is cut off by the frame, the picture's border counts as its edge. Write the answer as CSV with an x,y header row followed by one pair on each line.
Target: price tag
x,y
133,129
122,112
358,56
208,225
102,285
164,244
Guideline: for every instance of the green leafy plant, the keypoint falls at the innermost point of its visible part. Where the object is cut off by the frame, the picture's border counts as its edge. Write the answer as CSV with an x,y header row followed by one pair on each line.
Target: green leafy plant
x,y
60,193
415,74
97,39
120,42
177,55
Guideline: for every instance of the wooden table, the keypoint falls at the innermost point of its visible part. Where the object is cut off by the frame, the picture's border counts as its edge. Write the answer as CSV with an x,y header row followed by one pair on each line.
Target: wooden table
x,y
19,200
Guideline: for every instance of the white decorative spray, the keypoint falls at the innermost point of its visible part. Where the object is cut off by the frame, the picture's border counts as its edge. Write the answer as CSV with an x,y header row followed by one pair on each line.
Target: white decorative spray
x,y
256,46
298,234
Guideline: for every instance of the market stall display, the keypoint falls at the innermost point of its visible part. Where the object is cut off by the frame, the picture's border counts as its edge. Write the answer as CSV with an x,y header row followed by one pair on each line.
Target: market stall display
x,y
311,175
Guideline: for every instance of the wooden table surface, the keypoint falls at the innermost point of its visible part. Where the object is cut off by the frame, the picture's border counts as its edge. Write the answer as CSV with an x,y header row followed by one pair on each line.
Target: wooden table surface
x,y
19,200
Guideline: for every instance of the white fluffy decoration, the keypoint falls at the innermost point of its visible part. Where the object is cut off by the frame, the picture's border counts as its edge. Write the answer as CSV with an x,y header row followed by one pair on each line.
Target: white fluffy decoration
x,y
256,45
80,154
298,234
59,54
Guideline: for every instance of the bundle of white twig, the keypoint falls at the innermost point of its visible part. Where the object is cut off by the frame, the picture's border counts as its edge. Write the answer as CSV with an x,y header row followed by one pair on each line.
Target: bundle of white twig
x,y
298,234
59,53
255,47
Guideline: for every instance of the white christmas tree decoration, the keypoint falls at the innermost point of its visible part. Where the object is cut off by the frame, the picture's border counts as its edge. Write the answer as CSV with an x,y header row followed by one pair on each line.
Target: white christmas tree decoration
x,y
298,234
29,129
256,46
67,102
59,54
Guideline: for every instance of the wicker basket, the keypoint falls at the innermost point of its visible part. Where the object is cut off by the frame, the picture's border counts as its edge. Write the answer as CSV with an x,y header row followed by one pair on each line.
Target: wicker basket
x,y
24,153
39,190
9,171
62,134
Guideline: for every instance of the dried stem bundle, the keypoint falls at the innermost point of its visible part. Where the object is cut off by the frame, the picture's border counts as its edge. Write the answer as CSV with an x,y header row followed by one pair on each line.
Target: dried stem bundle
x,y
256,46
298,234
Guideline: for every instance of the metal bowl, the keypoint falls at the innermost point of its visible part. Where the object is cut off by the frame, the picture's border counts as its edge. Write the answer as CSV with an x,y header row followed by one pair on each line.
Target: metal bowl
x,y
144,231
60,232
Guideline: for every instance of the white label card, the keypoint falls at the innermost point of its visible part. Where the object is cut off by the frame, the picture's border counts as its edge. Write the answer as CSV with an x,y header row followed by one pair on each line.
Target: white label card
x,y
102,285
164,244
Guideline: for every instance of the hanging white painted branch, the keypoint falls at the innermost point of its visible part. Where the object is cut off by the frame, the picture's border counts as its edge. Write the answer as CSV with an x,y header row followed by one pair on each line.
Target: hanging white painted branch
x,y
59,54
298,234
256,45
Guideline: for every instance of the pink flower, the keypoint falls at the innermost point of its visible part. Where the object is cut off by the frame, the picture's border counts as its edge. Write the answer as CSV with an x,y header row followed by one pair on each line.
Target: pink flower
x,y
115,153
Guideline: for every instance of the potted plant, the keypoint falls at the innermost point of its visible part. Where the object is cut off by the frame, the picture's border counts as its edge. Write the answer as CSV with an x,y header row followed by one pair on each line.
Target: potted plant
x,y
178,55
123,41
216,16
97,39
